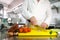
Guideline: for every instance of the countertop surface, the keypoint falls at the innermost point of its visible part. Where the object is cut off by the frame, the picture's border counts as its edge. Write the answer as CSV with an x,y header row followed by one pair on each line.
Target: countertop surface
x,y
3,36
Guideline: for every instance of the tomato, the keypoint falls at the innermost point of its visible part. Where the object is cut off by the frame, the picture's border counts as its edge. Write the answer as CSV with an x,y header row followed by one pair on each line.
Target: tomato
x,y
25,30
21,30
28,29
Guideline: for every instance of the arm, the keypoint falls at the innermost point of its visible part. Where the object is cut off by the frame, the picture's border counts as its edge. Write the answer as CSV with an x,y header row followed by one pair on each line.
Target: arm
x,y
23,20
49,17
25,12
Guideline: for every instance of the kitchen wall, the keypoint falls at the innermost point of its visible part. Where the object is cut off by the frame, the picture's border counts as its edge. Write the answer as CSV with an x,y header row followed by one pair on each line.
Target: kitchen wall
x,y
55,4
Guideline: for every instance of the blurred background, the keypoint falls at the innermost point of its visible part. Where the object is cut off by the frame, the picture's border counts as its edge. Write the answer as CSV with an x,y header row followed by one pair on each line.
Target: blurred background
x,y
55,5
10,12
11,8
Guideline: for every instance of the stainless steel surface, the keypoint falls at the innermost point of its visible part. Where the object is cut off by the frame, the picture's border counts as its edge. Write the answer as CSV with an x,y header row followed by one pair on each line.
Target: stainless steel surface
x,y
3,36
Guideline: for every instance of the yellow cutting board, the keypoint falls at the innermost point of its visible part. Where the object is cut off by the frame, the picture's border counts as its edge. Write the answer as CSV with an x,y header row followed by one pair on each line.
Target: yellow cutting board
x,y
36,33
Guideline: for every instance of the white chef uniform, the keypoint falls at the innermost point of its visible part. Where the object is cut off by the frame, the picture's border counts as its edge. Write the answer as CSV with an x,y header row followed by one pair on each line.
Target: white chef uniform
x,y
41,10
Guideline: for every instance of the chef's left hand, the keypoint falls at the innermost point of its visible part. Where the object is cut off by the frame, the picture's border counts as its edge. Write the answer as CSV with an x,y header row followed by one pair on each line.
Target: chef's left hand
x,y
44,25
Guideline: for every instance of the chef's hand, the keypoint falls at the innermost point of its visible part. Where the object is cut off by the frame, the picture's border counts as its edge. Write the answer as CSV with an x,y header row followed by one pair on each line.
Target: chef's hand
x,y
33,20
44,25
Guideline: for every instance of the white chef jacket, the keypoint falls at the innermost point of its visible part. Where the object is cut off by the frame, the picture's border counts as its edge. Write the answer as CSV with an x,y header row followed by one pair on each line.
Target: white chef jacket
x,y
41,11
22,19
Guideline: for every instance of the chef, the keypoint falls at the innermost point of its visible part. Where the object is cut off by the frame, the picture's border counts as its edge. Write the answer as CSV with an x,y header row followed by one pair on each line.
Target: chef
x,y
37,11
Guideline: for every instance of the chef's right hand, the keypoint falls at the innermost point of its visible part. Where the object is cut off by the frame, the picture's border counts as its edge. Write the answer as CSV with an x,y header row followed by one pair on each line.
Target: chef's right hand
x,y
33,20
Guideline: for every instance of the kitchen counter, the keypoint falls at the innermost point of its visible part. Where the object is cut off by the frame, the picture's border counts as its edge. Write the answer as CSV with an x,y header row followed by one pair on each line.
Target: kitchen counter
x,y
3,36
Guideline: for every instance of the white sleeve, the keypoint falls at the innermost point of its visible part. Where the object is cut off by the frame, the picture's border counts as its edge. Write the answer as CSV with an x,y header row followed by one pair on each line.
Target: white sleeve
x,y
49,15
25,11
23,20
